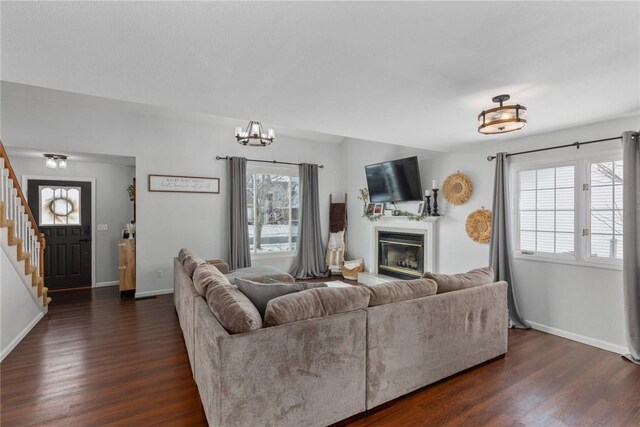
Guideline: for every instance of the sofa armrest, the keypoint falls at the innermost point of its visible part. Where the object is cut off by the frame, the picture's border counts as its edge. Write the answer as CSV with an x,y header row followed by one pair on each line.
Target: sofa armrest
x,y
220,265
303,373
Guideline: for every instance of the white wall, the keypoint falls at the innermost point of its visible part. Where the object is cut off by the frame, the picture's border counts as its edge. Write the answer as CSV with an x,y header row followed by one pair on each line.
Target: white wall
x,y
18,310
579,302
112,203
355,155
163,142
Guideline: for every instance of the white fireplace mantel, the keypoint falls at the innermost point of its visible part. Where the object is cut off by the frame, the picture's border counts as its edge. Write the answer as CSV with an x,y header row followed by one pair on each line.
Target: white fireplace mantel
x,y
425,226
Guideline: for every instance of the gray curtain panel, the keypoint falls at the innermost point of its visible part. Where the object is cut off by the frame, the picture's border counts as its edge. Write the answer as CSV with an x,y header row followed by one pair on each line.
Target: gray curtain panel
x,y
500,255
239,256
631,245
309,260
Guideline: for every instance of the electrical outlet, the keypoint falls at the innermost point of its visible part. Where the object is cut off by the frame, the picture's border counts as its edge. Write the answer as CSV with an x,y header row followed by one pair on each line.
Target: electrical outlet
x,y
103,227
159,274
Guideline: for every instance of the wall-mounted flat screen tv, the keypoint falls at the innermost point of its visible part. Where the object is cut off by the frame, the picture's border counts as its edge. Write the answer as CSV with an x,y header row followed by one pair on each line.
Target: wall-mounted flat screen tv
x,y
394,181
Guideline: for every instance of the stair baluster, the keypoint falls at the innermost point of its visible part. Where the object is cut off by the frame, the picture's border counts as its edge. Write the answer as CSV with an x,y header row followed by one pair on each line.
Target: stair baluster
x,y
3,186
25,232
14,205
5,193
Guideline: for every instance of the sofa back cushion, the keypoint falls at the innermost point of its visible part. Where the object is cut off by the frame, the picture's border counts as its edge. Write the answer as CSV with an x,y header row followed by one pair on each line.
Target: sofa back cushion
x,y
314,303
191,262
401,290
455,282
206,275
184,252
233,309
261,293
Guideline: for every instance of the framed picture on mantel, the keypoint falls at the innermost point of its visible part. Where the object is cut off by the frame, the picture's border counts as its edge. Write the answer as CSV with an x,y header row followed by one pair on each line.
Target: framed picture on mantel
x,y
184,184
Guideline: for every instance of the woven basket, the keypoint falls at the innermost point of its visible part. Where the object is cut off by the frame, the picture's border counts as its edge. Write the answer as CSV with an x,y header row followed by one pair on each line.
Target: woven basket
x,y
478,226
352,273
457,188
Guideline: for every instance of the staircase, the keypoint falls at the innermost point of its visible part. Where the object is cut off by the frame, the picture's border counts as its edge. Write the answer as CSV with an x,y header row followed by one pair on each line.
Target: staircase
x,y
20,238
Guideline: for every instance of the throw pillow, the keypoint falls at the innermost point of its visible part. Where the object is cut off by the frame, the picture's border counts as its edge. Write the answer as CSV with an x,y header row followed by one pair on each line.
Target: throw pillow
x,y
401,290
261,293
455,282
315,303
191,262
233,309
207,275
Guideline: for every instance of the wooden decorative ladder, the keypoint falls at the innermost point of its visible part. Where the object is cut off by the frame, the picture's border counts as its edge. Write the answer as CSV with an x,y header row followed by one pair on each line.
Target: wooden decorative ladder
x,y
22,229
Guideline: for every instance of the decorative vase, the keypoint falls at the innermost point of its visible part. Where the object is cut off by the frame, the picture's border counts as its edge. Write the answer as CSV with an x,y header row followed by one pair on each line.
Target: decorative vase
x,y
131,229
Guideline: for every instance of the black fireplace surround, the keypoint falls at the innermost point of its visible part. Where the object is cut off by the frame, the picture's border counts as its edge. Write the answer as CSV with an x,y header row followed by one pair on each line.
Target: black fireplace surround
x,y
401,255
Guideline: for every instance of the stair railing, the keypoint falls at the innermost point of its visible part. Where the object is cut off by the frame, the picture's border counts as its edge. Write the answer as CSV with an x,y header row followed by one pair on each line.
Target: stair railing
x,y
22,226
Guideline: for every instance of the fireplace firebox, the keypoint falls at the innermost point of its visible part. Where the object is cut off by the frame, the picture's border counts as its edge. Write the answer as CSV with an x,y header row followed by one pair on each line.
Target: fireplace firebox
x,y
401,255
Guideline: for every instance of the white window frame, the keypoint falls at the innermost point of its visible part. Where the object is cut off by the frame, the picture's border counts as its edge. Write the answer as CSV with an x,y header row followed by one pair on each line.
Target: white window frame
x,y
516,210
283,170
586,211
582,200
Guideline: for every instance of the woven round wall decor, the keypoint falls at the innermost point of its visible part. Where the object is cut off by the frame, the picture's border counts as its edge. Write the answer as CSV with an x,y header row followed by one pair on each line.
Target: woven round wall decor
x,y
457,188
478,225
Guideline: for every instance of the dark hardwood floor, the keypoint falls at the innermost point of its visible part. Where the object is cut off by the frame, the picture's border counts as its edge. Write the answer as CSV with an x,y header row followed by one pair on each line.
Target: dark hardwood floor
x,y
98,360
95,360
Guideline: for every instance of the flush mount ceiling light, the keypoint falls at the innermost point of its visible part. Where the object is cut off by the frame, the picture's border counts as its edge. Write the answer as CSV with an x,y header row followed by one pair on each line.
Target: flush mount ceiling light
x,y
55,161
254,135
502,119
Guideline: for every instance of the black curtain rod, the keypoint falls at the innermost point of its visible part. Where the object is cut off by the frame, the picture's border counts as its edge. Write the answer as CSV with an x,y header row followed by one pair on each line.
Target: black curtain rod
x,y
266,161
574,144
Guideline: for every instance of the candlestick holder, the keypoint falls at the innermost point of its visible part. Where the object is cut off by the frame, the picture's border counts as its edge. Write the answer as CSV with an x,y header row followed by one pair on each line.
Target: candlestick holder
x,y
435,202
427,206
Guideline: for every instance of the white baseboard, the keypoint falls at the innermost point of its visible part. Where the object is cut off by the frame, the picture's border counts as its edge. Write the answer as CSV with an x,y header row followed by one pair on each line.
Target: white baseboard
x,y
20,336
153,293
104,284
580,338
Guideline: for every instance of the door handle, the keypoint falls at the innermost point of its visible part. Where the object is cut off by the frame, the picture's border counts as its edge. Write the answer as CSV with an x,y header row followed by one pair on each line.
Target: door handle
x,y
88,239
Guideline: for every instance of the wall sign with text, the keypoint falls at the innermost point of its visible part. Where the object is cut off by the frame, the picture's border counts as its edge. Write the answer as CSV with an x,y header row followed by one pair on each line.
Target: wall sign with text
x,y
184,184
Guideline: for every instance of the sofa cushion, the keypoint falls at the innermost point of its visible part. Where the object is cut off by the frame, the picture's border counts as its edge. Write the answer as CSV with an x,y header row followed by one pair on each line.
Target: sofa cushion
x,y
233,309
191,262
315,303
401,290
220,265
206,275
261,274
455,282
261,293
184,252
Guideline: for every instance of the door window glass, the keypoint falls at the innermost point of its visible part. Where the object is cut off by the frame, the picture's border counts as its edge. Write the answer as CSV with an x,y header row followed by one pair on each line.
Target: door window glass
x,y
59,205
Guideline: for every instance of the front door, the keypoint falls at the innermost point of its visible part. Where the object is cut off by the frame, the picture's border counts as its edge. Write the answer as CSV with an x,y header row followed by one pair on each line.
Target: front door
x,y
62,210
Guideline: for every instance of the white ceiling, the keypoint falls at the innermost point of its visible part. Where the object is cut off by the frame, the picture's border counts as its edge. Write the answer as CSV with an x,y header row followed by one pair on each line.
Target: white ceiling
x,y
414,74
73,157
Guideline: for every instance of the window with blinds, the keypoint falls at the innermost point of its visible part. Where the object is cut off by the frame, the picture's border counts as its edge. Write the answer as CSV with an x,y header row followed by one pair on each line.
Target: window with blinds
x,y
605,210
546,210
570,212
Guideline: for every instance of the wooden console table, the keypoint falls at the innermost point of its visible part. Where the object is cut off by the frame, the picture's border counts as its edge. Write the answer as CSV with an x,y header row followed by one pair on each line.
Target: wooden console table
x,y
127,266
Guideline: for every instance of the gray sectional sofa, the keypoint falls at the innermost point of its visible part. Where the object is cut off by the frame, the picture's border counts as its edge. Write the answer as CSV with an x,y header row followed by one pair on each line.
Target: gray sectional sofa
x,y
319,371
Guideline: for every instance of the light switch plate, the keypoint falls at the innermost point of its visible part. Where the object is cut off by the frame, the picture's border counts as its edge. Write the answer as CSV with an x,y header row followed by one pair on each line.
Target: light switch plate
x,y
103,227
